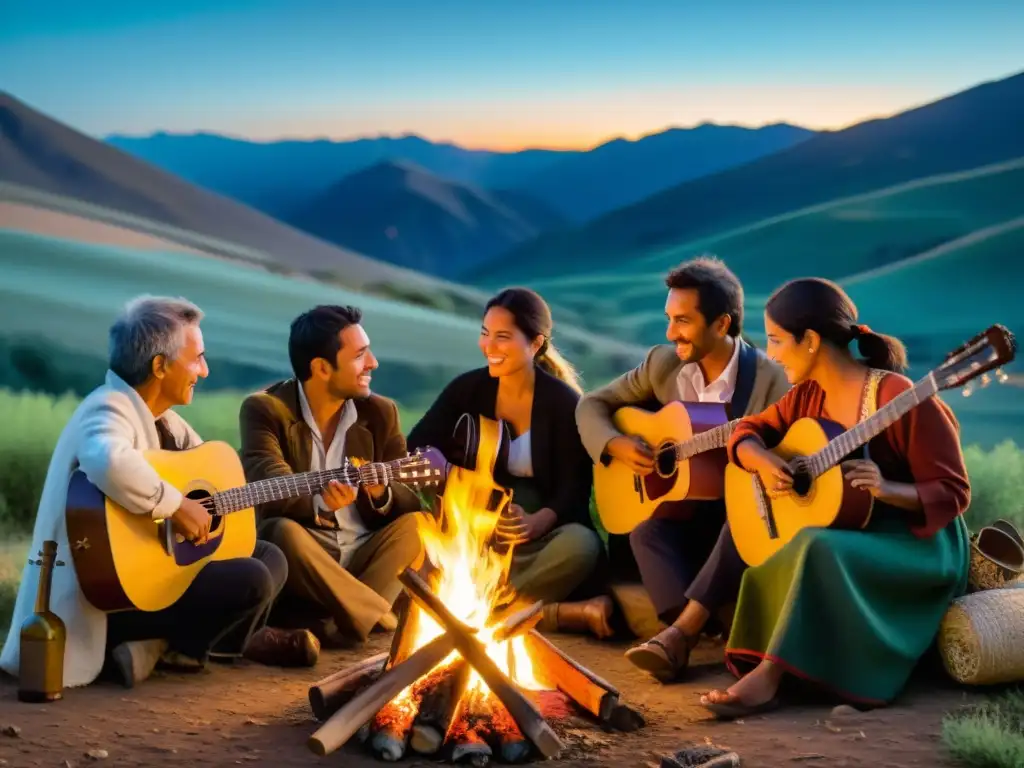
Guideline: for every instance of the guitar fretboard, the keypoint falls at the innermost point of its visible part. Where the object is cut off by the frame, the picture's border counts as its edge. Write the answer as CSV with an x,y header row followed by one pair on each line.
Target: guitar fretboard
x,y
708,440
303,484
841,446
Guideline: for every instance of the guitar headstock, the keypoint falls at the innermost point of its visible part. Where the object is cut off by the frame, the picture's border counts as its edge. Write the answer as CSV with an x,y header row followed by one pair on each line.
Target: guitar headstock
x,y
424,467
989,350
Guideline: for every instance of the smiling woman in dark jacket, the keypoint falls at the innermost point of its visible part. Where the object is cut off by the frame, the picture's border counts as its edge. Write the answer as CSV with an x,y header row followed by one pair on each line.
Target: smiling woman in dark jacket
x,y
534,390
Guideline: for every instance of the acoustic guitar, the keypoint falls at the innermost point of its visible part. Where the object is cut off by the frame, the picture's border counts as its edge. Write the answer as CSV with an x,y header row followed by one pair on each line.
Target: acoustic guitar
x,y
689,463
815,448
129,561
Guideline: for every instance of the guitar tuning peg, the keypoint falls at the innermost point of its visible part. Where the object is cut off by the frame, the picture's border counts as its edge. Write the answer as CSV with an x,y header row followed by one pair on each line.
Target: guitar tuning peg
x,y
1002,376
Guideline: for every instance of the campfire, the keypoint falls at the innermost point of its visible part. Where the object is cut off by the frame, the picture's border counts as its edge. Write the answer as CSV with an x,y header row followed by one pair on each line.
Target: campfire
x,y
462,680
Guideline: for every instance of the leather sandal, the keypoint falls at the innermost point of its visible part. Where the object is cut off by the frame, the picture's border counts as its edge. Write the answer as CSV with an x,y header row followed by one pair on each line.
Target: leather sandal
x,y
659,659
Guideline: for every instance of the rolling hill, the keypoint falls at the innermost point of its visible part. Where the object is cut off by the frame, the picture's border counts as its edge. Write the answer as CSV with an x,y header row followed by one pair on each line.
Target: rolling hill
x,y
281,177
976,127
405,215
852,236
43,154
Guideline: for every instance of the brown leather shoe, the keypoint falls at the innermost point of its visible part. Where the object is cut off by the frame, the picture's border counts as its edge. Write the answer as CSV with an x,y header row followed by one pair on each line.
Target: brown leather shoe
x,y
283,647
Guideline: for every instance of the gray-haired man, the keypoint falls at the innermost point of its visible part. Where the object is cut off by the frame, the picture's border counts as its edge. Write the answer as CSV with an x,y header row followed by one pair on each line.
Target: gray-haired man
x,y
156,358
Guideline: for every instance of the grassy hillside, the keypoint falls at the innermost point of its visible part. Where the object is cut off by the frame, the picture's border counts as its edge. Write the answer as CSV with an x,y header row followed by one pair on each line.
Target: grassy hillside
x,y
837,240
979,126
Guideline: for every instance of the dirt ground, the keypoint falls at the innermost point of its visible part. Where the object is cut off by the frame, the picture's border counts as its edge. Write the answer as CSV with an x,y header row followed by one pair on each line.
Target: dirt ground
x,y
246,714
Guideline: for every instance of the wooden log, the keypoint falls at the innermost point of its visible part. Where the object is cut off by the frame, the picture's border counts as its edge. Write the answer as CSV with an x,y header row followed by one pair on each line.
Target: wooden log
x,y
364,705
408,625
326,695
390,730
557,671
519,622
526,715
437,709
476,753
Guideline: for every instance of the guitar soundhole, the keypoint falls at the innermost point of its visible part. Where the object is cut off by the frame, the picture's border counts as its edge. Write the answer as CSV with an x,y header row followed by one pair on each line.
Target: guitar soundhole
x,y
802,482
665,461
199,495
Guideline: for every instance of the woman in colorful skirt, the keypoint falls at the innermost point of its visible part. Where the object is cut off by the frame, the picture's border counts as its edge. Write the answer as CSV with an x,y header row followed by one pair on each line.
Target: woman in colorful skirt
x,y
850,610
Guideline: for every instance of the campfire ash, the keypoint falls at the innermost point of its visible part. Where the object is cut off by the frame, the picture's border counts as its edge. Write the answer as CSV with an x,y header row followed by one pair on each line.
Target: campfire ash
x,y
459,680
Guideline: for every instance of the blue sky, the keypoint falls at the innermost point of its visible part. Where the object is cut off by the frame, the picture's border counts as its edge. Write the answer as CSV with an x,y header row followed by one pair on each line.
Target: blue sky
x,y
491,73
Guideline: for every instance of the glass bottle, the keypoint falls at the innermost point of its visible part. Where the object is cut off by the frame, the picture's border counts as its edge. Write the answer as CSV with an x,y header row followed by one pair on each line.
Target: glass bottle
x,y
43,634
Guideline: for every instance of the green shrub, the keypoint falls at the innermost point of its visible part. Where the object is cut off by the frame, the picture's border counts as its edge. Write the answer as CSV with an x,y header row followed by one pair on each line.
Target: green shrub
x,y
988,735
997,484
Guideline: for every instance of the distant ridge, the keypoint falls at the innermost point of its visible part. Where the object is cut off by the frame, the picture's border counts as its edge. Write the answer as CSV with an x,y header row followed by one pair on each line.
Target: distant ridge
x,y
979,126
400,212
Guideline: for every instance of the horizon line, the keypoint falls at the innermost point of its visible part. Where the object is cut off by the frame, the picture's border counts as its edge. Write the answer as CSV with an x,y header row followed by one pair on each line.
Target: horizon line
x,y
527,147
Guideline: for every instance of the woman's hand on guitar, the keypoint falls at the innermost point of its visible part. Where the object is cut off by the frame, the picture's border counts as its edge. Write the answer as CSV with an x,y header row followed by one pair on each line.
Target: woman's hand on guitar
x,y
775,473
633,452
192,521
863,473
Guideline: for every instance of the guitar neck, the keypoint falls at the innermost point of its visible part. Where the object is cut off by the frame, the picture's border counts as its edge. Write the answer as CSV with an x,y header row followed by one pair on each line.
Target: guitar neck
x,y
858,435
708,440
301,484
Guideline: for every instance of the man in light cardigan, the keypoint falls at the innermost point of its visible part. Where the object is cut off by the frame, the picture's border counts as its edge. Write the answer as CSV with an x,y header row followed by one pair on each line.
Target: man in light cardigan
x,y
156,358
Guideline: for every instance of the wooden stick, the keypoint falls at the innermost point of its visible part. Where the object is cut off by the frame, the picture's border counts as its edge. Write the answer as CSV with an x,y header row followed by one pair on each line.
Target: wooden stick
x,y
365,704
526,715
326,695
438,708
559,672
517,622
390,730
408,626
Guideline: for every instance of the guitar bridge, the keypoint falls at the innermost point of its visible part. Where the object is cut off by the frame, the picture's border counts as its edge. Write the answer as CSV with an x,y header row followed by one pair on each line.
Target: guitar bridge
x,y
764,507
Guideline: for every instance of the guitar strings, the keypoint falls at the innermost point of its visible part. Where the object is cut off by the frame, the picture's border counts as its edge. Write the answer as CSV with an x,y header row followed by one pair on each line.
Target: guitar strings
x,y
350,474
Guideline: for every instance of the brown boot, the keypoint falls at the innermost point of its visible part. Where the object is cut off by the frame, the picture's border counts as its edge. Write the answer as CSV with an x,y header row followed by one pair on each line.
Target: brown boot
x,y
283,647
135,661
590,616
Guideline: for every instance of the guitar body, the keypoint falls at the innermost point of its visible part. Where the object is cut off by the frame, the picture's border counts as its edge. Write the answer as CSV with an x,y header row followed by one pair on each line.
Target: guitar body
x,y
624,500
129,561
827,501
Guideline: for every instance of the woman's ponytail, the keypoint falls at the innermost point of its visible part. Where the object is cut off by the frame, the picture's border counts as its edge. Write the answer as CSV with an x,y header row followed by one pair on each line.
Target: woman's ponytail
x,y
880,351
551,360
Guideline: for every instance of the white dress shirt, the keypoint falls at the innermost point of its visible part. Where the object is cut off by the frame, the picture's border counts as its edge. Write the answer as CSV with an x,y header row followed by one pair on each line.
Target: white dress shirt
x,y
351,532
691,381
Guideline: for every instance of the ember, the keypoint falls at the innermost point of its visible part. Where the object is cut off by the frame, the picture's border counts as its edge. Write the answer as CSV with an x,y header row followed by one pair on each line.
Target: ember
x,y
457,681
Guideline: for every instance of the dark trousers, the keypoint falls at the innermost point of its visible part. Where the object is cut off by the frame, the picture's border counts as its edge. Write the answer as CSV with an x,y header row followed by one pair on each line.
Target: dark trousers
x,y
226,603
692,559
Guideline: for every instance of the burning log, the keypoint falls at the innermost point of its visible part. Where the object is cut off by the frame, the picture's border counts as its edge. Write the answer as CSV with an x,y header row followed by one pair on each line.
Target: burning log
x,y
559,672
391,729
472,726
326,695
519,622
437,709
408,624
525,714
364,705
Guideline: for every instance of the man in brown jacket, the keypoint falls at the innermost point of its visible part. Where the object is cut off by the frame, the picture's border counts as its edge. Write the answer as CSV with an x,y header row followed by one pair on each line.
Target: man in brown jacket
x,y
346,546
687,562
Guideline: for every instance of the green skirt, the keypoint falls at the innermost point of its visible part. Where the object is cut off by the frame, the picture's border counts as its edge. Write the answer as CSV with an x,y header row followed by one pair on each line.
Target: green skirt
x,y
853,611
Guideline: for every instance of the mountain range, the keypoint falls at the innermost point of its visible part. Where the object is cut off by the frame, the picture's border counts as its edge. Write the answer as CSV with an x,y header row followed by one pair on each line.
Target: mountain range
x,y
976,127
405,215
282,177
43,154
